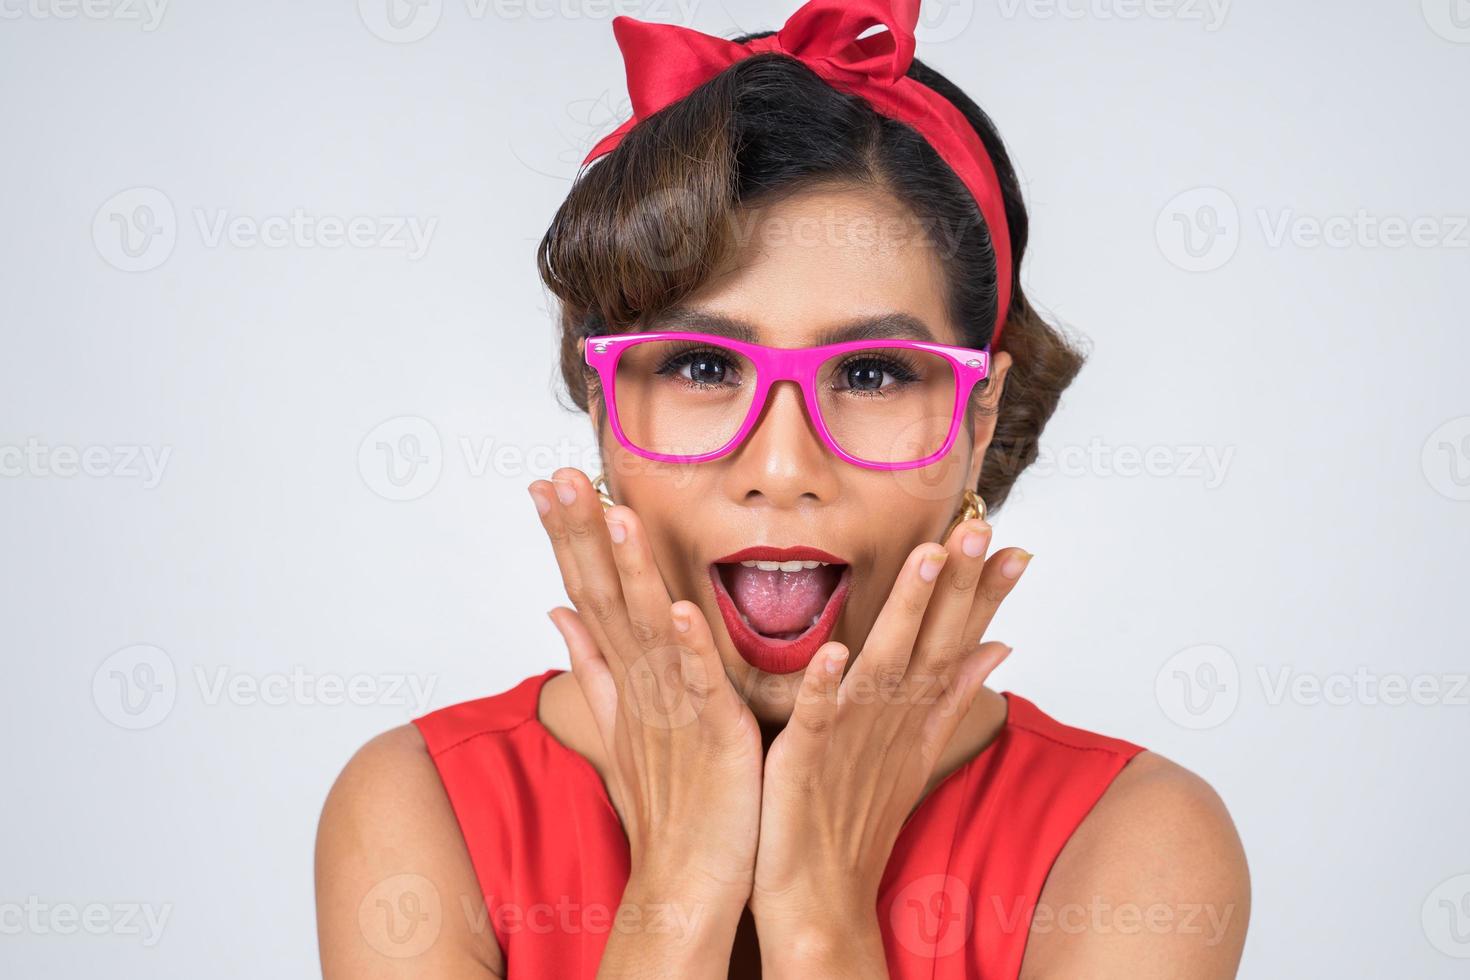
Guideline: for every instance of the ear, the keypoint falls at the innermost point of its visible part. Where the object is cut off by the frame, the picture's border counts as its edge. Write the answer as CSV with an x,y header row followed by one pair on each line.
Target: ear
x,y
1000,363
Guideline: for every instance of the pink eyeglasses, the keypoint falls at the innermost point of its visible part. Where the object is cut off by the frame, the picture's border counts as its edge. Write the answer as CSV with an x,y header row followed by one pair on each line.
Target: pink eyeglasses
x,y
883,404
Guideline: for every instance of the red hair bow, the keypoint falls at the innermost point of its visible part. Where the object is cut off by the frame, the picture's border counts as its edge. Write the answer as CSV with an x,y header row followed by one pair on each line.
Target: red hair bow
x,y
666,62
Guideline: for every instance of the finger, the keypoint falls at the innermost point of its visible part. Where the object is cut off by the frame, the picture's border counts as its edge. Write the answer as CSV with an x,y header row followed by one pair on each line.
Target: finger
x,y
885,655
969,681
943,642
703,671
673,639
645,597
815,712
599,689
1002,571
590,669
579,537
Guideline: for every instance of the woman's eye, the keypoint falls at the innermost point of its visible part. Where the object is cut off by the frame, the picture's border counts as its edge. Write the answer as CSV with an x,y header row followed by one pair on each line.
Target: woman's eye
x,y
705,370
873,375
865,377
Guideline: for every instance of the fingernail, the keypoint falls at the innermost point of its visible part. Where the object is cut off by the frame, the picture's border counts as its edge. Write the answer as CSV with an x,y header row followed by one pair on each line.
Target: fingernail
x,y
681,621
565,492
929,567
974,543
617,529
553,620
835,660
542,504
1016,564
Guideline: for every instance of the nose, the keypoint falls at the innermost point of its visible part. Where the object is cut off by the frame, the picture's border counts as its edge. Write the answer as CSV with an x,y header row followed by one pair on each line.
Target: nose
x,y
783,462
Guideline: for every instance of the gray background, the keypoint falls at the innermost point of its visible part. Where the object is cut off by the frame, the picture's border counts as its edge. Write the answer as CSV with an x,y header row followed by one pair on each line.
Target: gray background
x,y
1255,214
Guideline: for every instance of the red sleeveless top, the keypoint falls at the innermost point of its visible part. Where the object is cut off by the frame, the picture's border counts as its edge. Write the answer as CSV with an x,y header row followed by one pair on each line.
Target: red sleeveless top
x,y
956,898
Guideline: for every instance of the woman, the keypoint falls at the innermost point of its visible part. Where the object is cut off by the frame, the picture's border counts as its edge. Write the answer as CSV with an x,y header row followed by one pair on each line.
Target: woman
x,y
791,308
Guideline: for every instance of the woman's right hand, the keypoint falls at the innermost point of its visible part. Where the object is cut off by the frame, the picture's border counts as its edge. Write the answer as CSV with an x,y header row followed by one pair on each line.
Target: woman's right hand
x,y
682,751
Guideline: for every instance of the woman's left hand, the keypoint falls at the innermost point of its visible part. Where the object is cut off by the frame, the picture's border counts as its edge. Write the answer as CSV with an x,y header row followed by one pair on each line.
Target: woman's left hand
x,y
858,753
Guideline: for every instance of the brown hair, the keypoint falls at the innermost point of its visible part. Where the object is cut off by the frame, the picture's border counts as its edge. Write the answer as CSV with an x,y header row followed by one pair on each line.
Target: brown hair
x,y
645,225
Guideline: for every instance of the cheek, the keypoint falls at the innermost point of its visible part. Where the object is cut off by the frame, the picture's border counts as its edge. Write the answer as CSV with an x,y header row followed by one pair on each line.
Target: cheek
x,y
669,510
922,503
895,521
901,513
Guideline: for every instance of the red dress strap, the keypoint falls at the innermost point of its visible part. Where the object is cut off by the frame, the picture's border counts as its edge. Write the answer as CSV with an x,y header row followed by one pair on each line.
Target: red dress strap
x,y
962,884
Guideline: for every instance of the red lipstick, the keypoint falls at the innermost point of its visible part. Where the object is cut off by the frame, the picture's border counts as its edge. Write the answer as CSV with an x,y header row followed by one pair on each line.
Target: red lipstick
x,y
763,552
770,654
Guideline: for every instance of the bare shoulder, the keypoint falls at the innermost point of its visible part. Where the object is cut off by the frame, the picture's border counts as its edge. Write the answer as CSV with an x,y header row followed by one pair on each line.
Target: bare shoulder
x,y
396,893
1153,883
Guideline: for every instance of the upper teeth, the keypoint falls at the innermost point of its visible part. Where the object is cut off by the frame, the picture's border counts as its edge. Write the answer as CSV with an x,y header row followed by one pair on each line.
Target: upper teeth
x,y
783,566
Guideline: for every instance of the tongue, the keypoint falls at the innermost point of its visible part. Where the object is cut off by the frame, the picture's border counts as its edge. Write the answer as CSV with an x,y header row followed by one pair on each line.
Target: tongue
x,y
781,602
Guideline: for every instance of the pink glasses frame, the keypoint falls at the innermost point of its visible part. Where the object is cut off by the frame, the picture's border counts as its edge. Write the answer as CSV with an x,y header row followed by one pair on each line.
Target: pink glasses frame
x,y
798,364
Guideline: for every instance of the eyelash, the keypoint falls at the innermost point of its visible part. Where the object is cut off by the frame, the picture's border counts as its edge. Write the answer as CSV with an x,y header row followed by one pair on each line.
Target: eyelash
x,y
900,370
682,357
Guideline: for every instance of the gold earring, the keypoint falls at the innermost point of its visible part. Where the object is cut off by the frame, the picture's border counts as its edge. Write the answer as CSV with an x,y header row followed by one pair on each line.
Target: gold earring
x,y
600,485
972,507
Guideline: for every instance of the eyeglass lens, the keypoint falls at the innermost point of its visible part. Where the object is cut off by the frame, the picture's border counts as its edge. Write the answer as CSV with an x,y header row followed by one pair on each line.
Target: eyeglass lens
x,y
880,404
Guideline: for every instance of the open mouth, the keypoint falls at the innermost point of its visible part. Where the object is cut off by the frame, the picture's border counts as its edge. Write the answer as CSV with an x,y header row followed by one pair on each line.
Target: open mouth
x,y
779,604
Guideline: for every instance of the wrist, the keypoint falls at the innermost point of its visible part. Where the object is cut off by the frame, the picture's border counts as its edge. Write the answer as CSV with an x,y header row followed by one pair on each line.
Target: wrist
x,y
688,913
689,883
813,936
826,943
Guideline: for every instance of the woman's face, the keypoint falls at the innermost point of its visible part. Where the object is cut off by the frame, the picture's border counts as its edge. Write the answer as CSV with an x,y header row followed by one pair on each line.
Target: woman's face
x,y
803,266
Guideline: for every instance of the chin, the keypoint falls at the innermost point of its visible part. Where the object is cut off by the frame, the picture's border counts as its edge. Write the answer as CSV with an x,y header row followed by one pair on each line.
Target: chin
x,y
770,697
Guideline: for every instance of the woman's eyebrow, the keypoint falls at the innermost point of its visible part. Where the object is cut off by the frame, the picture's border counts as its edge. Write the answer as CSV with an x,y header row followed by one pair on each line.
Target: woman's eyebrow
x,y
880,326
696,320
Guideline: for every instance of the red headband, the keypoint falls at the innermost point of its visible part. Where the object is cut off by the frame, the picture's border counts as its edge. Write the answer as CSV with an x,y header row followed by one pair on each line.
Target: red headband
x,y
666,62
